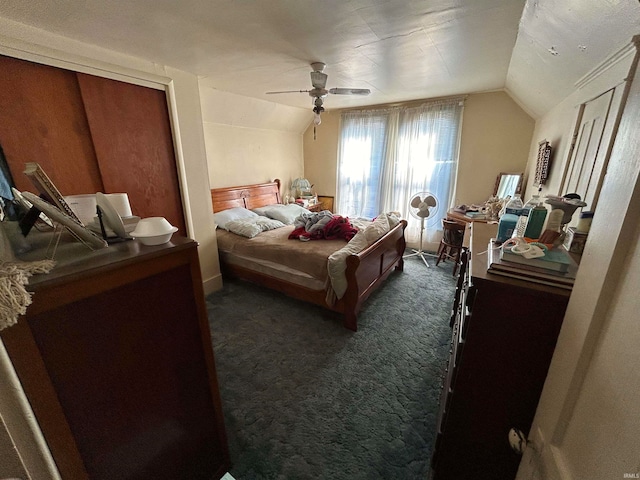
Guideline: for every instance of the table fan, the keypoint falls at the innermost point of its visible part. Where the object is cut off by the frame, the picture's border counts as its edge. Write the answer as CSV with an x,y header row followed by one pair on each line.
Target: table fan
x,y
422,205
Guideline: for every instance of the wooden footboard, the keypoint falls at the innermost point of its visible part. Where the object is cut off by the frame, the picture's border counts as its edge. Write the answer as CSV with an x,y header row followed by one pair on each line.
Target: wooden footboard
x,y
369,268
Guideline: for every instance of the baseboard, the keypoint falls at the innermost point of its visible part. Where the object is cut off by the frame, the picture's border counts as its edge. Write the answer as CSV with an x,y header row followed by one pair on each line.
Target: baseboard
x,y
212,284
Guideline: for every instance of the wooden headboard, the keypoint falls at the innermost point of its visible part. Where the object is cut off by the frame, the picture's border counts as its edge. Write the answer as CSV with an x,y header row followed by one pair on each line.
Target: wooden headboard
x,y
246,196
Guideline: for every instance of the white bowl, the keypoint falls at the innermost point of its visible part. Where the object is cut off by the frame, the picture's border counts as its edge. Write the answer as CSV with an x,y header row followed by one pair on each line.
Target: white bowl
x,y
153,231
155,239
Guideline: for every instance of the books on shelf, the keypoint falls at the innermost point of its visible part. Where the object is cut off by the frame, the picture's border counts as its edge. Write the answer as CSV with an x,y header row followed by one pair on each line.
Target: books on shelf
x,y
528,272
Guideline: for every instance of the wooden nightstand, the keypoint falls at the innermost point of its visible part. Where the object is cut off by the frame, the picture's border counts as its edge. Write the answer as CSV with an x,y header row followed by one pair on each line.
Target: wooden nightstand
x,y
318,207
327,202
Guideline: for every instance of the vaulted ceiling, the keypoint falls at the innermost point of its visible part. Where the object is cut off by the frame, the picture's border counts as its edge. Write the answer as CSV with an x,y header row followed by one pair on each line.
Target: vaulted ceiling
x,y
399,49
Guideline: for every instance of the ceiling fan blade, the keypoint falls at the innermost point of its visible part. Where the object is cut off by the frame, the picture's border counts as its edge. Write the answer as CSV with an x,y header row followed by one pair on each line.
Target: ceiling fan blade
x,y
350,91
318,79
288,91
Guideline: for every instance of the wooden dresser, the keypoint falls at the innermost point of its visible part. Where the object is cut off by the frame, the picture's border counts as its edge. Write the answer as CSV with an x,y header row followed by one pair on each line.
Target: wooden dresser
x,y
504,333
115,357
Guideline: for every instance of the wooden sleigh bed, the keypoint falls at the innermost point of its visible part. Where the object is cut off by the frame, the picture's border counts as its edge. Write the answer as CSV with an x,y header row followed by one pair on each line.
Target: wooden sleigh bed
x,y
365,271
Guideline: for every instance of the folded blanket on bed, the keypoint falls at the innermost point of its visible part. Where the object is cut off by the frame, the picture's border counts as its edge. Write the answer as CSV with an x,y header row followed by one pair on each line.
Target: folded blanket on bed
x,y
312,222
336,264
322,225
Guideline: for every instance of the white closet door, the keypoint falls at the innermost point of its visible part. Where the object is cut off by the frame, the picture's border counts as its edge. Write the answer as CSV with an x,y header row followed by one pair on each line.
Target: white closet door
x,y
596,130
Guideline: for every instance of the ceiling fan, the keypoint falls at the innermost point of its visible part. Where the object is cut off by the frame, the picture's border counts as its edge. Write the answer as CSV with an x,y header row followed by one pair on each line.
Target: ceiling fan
x,y
319,90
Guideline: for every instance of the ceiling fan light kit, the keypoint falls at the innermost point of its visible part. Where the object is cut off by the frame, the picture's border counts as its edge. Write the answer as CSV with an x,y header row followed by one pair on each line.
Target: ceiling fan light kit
x,y
319,91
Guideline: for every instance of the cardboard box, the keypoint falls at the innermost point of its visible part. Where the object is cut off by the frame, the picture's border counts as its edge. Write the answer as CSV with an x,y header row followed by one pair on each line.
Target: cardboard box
x,y
574,241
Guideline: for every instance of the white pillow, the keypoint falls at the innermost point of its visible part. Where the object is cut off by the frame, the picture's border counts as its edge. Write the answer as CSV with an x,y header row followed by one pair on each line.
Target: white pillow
x,y
263,210
285,213
394,219
266,223
378,228
244,228
222,218
250,227
381,225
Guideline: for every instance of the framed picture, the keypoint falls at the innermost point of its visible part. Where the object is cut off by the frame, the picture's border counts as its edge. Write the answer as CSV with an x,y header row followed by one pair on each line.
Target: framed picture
x,y
48,190
542,163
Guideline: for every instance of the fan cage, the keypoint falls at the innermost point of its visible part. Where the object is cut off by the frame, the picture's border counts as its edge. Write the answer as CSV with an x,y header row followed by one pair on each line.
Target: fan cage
x,y
433,211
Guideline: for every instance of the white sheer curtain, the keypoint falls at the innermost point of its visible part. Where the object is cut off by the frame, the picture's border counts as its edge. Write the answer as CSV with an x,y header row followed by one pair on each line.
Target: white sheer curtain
x,y
386,156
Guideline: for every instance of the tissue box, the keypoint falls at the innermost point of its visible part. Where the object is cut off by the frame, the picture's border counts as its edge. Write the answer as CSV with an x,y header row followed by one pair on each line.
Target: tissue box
x,y
574,241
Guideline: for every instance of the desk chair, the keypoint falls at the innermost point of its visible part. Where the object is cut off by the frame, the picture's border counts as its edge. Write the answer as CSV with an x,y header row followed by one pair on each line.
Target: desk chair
x,y
451,243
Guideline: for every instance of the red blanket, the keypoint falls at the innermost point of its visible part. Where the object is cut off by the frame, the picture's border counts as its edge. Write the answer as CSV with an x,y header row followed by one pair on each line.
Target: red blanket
x,y
338,227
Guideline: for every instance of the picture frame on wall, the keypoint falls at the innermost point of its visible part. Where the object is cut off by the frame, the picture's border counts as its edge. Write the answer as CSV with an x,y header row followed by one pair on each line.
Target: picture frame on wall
x,y
542,163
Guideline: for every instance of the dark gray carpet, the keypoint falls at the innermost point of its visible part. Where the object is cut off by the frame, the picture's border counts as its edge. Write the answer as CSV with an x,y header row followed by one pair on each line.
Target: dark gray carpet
x,y
305,398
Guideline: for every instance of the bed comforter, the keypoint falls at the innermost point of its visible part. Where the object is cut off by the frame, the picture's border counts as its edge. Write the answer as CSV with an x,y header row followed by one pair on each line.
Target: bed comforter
x,y
321,259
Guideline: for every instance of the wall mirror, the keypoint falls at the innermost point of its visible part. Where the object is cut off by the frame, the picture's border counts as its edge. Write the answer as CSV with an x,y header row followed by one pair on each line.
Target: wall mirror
x,y
507,184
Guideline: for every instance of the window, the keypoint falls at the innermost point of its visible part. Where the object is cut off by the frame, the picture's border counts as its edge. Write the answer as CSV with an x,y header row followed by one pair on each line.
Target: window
x,y
388,155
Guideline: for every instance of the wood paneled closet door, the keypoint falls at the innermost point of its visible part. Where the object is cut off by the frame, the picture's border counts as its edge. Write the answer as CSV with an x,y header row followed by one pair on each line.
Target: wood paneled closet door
x,y
132,138
42,120
90,134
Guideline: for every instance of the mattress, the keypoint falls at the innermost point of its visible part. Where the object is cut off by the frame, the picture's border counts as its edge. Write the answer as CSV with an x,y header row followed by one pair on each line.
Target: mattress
x,y
273,253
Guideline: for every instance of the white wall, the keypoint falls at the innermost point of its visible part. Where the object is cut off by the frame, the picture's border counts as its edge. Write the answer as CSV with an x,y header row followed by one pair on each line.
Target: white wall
x,y
496,134
321,154
251,141
184,99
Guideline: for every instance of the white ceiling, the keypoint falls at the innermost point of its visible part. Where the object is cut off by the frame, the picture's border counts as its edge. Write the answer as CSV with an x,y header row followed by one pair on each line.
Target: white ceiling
x,y
400,49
